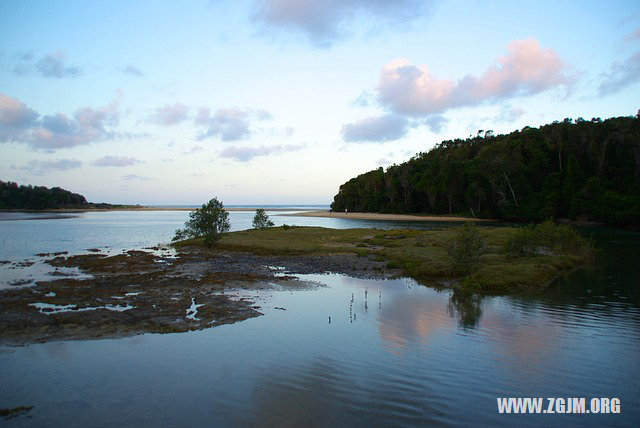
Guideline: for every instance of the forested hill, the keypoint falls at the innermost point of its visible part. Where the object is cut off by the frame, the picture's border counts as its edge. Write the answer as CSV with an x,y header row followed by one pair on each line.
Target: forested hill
x,y
17,197
577,170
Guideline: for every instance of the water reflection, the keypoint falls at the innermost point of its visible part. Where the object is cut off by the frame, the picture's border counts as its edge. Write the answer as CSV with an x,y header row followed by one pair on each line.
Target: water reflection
x,y
467,308
412,319
310,396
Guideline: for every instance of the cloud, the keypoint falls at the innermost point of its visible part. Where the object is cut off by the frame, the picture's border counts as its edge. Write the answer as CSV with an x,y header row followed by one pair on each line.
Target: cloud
x,y
377,129
228,124
170,114
192,150
51,65
88,124
133,71
525,69
37,167
633,36
436,123
325,21
509,114
15,119
116,161
245,154
132,177
365,99
385,160
621,75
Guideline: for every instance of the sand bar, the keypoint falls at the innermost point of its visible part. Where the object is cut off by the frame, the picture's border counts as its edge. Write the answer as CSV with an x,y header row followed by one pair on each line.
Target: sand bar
x,y
378,216
149,208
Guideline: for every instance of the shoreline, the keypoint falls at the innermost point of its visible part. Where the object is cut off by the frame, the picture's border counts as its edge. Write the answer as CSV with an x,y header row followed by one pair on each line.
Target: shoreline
x,y
148,208
379,216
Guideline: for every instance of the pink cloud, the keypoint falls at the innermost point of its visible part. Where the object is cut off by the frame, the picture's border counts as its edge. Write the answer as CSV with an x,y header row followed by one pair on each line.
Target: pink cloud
x,y
525,69
49,132
170,114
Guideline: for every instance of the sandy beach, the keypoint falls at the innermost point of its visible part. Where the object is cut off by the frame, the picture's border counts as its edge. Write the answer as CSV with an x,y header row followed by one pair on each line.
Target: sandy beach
x,y
377,216
144,208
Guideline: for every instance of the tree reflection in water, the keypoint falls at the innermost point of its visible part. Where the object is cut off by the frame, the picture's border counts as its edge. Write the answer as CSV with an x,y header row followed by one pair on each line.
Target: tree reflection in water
x,y
466,307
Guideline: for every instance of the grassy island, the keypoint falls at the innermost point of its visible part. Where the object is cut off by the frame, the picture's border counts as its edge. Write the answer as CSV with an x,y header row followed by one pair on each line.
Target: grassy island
x,y
508,259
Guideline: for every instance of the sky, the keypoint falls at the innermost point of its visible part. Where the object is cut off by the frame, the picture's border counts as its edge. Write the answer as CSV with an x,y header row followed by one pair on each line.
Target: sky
x,y
282,101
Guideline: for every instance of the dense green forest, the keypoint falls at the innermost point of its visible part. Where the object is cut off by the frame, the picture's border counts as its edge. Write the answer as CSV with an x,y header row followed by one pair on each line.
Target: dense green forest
x,y
13,196
571,169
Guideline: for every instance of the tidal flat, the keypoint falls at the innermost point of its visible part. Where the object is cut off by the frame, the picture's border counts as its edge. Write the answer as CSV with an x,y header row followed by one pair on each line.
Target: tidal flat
x,y
157,292
167,290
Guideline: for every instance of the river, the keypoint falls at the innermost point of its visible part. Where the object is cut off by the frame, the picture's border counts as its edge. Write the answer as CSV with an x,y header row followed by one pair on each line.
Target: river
x,y
353,352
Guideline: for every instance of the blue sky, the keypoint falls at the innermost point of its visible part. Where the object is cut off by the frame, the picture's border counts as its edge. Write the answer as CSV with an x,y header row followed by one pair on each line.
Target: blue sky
x,y
281,101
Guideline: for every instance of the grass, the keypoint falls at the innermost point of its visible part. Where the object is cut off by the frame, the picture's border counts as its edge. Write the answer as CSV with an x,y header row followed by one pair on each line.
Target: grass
x,y
422,255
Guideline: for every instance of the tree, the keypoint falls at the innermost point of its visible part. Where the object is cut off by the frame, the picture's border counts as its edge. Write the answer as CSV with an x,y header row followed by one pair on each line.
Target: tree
x,y
209,221
261,220
467,247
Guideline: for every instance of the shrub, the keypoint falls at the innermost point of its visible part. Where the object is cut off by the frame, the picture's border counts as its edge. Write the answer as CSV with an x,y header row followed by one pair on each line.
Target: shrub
x,y
261,220
520,242
547,238
466,249
208,221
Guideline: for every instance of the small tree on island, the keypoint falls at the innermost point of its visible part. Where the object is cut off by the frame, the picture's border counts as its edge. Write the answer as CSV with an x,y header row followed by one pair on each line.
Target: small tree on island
x,y
261,220
209,221
467,247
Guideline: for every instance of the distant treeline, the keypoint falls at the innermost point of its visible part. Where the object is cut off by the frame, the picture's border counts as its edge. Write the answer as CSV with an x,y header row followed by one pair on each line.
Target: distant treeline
x,y
582,169
13,196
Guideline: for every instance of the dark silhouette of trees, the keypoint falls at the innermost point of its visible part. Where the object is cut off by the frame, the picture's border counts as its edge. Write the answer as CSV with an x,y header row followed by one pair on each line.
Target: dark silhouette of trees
x,y
30,197
582,169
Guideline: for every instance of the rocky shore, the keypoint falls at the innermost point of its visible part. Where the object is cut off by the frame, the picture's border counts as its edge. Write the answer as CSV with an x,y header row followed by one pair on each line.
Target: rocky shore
x,y
158,291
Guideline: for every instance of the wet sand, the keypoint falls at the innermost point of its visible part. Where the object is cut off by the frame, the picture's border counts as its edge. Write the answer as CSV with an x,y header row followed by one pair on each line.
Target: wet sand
x,y
377,216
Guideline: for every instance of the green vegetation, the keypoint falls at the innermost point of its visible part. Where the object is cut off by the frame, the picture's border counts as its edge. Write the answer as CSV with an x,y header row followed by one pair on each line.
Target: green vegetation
x,y
547,238
208,222
422,255
21,197
466,249
577,170
14,197
261,220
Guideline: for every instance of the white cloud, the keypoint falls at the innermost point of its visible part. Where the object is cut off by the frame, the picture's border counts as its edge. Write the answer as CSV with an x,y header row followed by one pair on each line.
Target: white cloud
x,y
377,129
192,150
228,124
132,177
525,69
170,114
116,161
38,167
245,154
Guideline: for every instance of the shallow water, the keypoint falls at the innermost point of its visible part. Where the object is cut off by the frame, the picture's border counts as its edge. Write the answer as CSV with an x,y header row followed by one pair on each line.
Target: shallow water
x,y
407,355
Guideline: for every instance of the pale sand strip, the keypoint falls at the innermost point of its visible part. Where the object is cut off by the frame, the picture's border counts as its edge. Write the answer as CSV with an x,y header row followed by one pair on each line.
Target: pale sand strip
x,y
377,216
141,208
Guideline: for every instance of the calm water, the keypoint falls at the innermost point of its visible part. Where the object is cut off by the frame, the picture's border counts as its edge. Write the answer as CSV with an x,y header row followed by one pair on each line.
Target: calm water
x,y
407,355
